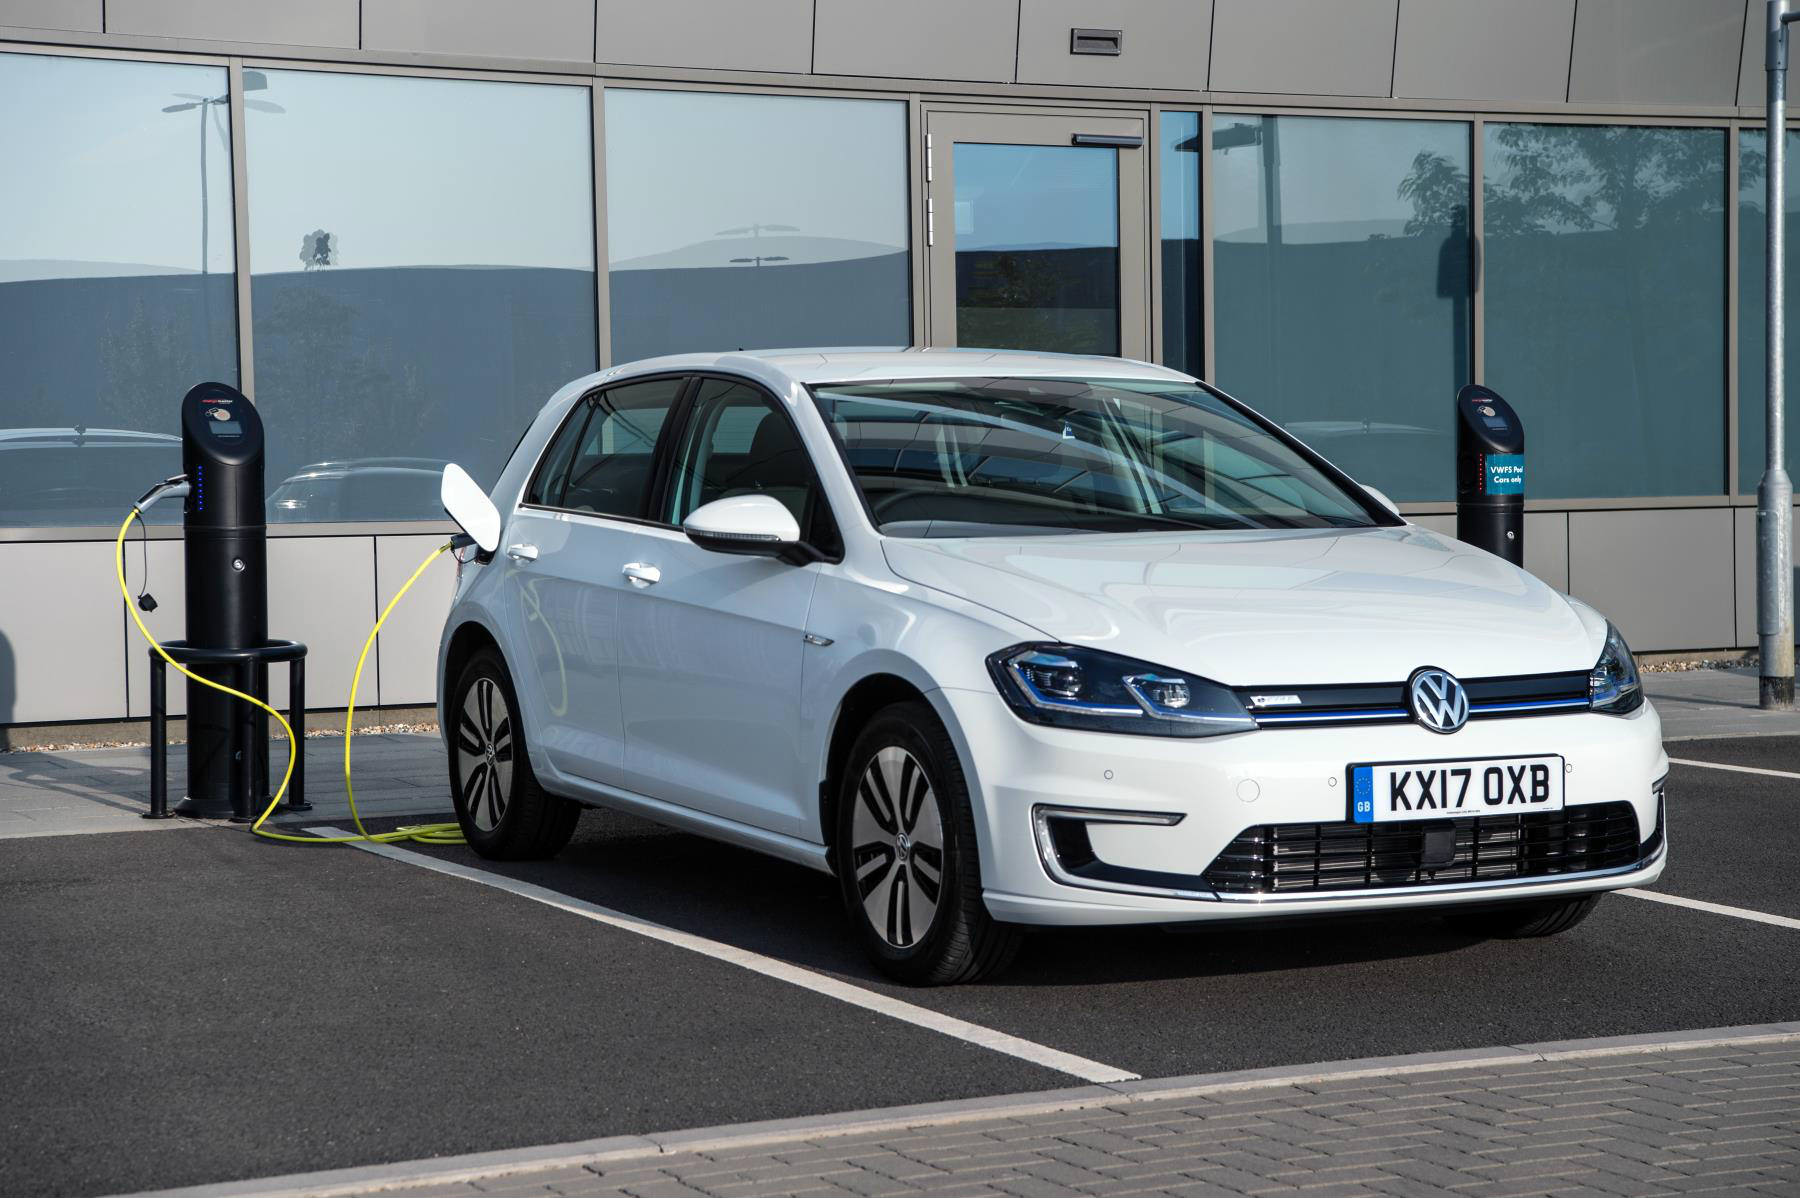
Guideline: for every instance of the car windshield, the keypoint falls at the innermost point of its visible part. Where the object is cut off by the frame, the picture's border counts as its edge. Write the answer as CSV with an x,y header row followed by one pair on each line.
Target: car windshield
x,y
1006,456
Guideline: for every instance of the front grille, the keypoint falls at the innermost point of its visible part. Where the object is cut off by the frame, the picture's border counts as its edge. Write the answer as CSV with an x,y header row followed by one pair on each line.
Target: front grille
x,y
1288,858
1385,702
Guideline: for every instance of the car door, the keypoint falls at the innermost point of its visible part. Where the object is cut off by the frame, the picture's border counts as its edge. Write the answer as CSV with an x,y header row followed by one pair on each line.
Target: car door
x,y
711,643
583,513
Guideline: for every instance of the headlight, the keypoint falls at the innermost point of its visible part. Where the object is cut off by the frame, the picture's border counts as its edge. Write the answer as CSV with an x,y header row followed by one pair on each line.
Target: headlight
x,y
1613,685
1070,687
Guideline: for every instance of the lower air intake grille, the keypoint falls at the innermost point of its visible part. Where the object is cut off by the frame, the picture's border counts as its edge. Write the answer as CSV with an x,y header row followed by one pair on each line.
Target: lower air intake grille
x,y
1287,858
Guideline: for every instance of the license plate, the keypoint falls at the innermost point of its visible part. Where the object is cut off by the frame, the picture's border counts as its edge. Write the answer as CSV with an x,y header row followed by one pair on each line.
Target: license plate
x,y
1411,790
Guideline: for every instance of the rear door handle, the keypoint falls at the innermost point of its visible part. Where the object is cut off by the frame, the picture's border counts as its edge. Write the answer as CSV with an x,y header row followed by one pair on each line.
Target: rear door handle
x,y
525,553
642,574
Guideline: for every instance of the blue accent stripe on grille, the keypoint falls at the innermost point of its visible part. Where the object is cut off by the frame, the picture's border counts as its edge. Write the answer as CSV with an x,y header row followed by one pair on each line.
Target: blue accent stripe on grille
x,y
1526,705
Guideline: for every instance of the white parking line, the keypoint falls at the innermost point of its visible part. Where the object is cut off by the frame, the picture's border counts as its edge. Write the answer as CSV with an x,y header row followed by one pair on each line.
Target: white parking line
x,y
1736,769
818,983
1779,921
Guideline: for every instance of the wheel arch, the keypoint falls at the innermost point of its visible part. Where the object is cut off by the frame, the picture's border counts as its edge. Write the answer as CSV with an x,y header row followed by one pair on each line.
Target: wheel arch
x,y
867,696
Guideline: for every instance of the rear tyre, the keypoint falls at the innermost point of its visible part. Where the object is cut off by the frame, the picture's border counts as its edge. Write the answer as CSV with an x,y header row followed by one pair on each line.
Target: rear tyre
x,y
504,814
906,855
1525,921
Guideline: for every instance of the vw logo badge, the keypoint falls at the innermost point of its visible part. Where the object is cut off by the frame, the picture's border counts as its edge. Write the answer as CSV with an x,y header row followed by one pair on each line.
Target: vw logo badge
x,y
1438,701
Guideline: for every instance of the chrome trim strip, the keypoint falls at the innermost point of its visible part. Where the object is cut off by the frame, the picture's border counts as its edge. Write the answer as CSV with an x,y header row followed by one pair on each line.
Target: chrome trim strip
x,y
1530,705
1384,713
1042,814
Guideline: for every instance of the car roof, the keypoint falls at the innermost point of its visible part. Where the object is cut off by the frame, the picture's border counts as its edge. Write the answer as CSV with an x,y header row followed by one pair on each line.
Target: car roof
x,y
834,365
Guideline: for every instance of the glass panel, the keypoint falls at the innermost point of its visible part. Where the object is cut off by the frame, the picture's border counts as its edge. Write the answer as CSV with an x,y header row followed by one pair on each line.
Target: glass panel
x,y
1341,271
738,445
1753,274
611,473
1037,248
553,468
422,254
1605,265
754,222
999,456
1182,286
116,289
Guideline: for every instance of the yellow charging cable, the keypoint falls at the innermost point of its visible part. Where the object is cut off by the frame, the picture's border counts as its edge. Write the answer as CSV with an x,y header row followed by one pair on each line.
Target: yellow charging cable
x,y
425,833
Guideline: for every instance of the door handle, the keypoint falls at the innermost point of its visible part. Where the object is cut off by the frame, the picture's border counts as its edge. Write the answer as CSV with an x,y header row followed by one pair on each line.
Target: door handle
x,y
524,553
642,574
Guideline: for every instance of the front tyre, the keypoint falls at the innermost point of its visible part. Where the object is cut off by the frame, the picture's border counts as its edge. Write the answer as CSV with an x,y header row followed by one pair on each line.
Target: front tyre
x,y
1524,921
504,814
906,855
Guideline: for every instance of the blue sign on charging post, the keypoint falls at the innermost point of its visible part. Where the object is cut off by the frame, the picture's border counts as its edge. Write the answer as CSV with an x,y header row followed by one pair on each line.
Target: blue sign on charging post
x,y
1505,474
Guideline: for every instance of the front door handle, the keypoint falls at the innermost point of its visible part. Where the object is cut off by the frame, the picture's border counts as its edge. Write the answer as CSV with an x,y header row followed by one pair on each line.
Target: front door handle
x,y
642,574
525,553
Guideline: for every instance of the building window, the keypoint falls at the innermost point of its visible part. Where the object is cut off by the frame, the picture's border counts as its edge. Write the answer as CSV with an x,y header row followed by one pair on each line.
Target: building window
x,y
1604,323
116,269
1342,284
422,261
754,222
1182,284
1753,275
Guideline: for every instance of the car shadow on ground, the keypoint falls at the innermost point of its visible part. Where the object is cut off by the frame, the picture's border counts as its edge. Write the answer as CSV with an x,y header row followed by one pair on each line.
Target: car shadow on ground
x,y
796,914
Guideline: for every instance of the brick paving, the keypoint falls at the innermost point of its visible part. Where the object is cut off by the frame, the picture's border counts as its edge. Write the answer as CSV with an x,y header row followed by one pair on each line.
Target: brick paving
x,y
1713,1121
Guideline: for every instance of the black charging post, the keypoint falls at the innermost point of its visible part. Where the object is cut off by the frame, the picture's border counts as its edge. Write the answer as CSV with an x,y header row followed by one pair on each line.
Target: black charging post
x,y
1490,474
227,616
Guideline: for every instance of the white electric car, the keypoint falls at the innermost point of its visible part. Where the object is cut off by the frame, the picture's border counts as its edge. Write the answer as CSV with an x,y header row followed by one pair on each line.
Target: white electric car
x,y
1007,639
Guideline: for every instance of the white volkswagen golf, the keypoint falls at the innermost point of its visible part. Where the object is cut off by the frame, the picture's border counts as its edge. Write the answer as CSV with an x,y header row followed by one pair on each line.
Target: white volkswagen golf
x,y
1005,640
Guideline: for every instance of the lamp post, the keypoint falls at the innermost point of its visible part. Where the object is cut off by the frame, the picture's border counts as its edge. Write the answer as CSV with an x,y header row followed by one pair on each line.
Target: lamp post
x,y
1775,493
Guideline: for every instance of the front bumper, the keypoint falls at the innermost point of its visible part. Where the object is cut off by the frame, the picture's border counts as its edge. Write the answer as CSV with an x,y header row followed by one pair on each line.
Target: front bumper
x,y
1216,788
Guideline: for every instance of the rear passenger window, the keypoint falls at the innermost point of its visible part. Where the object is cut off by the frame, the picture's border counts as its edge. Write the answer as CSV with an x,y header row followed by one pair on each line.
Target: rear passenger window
x,y
610,471
553,472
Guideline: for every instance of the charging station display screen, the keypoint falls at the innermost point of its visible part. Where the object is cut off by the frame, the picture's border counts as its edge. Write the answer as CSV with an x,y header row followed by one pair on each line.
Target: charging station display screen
x,y
227,429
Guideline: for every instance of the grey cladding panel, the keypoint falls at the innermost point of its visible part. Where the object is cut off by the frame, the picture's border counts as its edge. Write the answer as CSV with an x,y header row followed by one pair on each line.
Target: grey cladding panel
x,y
1656,52
548,29
926,39
1753,75
52,14
62,633
1304,47
1484,49
772,35
1661,576
1746,574
1165,42
408,645
277,22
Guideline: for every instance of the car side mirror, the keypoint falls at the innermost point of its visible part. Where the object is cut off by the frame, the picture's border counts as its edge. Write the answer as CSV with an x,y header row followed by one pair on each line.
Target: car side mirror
x,y
1382,499
468,505
756,525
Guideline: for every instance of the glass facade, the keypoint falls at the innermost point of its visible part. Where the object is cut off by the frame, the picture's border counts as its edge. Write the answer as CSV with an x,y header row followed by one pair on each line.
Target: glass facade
x,y
1605,312
116,278
1753,279
1342,284
1183,285
754,222
422,265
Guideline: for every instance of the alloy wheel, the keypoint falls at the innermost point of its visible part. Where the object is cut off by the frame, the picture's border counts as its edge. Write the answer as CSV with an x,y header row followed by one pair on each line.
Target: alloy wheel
x,y
484,742
897,837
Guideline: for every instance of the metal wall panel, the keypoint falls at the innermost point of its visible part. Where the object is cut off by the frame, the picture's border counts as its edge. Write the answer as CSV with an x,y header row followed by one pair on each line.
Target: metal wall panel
x,y
408,645
1439,524
277,22
168,585
1659,575
322,593
544,29
1165,43
772,35
1304,47
52,14
926,39
1656,51
1484,49
1547,547
1745,587
61,633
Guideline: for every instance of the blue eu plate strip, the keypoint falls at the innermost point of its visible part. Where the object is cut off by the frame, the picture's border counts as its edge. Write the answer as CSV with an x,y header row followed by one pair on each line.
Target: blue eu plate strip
x,y
1362,795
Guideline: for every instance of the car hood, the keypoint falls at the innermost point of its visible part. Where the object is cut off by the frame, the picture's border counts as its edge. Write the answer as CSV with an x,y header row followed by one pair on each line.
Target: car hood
x,y
1272,607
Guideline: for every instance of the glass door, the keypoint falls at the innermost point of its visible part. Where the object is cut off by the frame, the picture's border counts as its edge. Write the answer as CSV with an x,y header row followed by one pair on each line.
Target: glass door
x,y
1035,227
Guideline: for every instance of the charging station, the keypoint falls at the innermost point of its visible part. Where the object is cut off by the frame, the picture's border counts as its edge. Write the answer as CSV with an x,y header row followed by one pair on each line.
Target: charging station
x,y
1490,474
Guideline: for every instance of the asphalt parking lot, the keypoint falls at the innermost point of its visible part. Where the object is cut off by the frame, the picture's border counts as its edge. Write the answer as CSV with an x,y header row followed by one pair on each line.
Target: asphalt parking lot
x,y
200,1006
